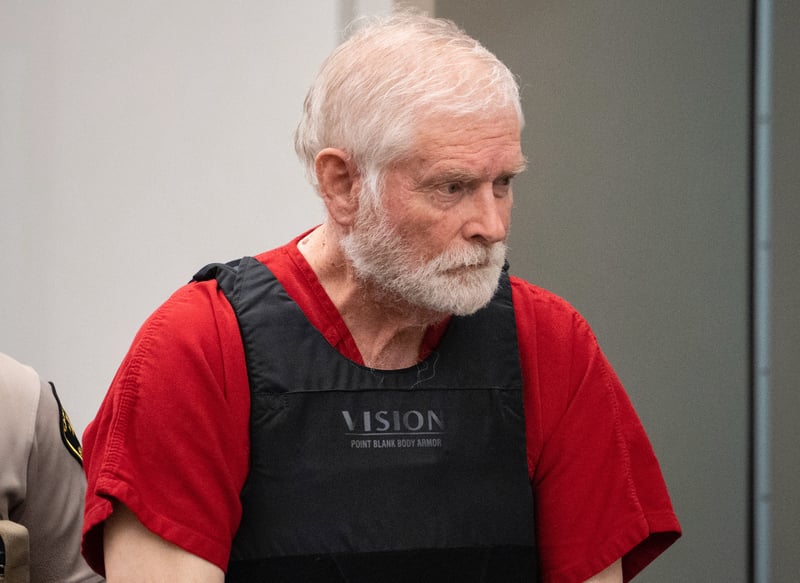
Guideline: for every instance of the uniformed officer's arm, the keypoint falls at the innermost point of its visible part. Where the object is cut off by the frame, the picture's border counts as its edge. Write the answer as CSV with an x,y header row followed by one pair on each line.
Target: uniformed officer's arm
x,y
612,574
53,508
133,553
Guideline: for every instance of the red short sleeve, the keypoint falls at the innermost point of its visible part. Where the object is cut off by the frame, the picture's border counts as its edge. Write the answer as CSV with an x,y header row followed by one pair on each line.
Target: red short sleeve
x,y
170,440
599,492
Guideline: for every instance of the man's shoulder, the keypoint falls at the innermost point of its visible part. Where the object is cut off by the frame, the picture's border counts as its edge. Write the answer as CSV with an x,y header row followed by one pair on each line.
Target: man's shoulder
x,y
544,313
276,258
531,295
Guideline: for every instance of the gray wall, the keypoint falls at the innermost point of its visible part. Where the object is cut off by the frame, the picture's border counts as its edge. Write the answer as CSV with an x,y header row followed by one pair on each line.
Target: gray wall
x,y
786,292
635,209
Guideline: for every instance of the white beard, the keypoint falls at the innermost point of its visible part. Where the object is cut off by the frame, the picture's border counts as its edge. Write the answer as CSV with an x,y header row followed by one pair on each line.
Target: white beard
x,y
458,281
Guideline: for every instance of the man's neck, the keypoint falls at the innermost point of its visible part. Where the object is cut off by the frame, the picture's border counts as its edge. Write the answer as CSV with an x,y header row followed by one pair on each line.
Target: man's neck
x,y
388,332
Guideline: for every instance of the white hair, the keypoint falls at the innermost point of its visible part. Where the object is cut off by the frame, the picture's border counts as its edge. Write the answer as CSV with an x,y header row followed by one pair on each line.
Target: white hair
x,y
390,76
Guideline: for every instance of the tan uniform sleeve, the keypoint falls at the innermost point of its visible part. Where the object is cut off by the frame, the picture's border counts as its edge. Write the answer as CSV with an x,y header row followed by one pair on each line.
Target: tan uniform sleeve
x,y
42,483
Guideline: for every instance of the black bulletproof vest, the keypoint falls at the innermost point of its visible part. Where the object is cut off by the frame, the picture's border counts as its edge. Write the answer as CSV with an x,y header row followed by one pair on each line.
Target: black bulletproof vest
x,y
371,476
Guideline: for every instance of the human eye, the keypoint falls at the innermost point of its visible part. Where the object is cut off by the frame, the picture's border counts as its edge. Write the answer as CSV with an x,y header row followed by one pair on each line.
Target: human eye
x,y
502,185
452,188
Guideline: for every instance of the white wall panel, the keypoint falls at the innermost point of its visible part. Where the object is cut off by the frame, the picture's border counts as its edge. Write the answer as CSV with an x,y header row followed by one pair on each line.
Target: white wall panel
x,y
138,141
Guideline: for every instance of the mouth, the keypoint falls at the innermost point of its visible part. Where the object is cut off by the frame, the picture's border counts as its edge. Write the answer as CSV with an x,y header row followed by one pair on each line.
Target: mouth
x,y
469,261
467,267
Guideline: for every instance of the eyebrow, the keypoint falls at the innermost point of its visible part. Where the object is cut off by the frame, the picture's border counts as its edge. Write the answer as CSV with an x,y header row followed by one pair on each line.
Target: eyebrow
x,y
520,167
466,176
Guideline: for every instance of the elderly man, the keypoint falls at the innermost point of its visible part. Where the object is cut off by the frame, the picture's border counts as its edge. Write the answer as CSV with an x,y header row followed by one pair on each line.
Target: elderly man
x,y
378,400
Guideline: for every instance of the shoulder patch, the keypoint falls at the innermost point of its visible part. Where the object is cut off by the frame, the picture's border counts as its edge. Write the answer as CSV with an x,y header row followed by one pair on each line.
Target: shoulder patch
x,y
68,436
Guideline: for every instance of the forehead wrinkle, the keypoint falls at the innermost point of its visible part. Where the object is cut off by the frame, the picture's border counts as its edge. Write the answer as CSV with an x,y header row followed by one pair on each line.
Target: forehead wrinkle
x,y
458,147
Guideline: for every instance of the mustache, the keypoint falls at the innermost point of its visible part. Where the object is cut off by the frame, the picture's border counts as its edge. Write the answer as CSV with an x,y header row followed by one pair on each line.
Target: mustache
x,y
477,255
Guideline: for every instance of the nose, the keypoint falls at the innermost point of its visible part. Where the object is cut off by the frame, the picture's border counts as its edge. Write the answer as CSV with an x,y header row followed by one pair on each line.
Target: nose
x,y
489,216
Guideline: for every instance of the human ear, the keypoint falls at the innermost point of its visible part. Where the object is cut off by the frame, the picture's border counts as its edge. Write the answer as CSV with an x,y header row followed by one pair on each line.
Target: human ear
x,y
339,184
